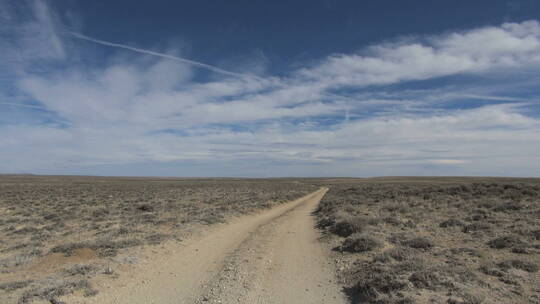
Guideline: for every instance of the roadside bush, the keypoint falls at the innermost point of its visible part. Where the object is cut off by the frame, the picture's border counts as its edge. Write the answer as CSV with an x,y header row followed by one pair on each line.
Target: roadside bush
x,y
348,225
104,248
359,243
54,289
374,282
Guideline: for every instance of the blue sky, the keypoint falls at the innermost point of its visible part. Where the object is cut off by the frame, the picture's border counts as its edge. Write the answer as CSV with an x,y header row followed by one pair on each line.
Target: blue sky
x,y
270,88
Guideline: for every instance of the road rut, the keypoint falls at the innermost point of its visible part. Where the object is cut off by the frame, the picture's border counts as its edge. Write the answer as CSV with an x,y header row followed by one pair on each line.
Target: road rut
x,y
270,257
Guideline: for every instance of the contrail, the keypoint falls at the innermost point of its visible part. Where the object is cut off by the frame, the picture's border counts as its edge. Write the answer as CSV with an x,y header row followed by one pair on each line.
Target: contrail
x,y
22,105
496,98
179,59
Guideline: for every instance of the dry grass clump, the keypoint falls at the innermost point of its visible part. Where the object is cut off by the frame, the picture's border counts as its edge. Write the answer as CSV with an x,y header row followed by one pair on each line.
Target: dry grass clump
x,y
377,284
507,241
360,243
51,289
451,223
419,243
67,221
438,240
519,264
11,286
347,225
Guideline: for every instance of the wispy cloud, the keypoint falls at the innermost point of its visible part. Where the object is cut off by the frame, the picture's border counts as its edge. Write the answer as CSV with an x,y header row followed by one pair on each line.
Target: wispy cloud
x,y
29,37
335,117
162,55
496,98
14,104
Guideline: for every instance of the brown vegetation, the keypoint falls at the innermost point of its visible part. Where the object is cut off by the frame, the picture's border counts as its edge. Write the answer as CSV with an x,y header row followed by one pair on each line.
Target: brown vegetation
x,y
438,240
57,232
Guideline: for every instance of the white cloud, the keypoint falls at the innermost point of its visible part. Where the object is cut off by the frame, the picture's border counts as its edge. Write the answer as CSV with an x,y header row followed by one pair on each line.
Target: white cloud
x,y
42,32
510,45
139,111
29,36
448,161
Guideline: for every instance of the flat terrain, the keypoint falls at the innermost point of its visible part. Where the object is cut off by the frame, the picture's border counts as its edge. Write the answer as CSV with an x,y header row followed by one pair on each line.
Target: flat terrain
x,y
435,240
378,240
270,257
58,235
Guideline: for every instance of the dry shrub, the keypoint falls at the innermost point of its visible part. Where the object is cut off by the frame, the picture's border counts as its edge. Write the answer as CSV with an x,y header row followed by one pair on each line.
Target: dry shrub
x,y
53,289
11,286
348,225
491,269
419,243
451,223
476,227
375,282
80,269
519,264
536,234
427,279
359,243
400,253
508,207
508,241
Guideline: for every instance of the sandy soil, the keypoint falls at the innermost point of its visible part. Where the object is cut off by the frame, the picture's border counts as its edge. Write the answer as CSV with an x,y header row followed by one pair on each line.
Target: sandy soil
x,y
270,257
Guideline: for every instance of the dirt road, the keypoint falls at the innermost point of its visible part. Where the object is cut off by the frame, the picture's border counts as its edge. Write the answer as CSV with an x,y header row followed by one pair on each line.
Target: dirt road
x,y
270,257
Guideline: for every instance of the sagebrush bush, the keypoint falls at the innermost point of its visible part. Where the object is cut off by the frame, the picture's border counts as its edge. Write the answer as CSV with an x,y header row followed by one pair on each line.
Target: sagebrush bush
x,y
476,227
508,241
519,264
427,279
451,223
348,225
375,281
491,269
508,207
80,269
11,286
536,234
419,243
400,253
359,243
